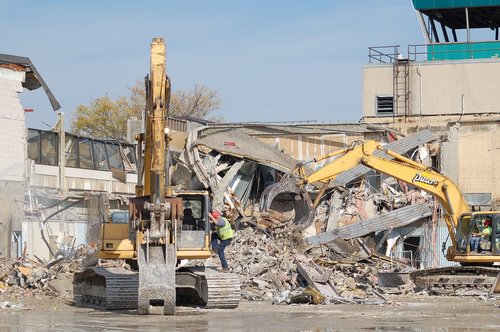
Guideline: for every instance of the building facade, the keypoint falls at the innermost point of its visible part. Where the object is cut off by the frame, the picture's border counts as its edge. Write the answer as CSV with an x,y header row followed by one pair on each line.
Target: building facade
x,y
12,169
448,85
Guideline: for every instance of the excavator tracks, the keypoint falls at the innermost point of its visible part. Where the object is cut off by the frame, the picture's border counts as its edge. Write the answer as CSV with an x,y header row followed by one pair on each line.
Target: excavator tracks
x,y
224,290
117,289
106,288
448,280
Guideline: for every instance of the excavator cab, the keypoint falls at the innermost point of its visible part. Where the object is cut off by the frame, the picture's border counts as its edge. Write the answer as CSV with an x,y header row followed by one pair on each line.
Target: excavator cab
x,y
194,231
473,224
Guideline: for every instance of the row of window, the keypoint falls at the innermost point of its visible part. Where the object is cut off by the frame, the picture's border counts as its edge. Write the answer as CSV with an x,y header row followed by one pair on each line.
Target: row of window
x,y
80,152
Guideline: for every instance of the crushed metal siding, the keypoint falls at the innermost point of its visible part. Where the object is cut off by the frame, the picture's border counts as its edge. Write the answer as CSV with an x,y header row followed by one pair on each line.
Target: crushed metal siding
x,y
442,236
431,246
396,218
431,255
400,146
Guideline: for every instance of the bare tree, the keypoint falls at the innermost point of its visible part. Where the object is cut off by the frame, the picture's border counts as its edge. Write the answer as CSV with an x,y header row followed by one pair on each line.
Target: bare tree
x,y
105,117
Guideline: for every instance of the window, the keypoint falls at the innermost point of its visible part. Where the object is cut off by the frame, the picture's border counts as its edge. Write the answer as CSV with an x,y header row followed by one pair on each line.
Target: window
x,y
100,158
385,105
128,157
34,145
85,153
49,148
114,155
71,152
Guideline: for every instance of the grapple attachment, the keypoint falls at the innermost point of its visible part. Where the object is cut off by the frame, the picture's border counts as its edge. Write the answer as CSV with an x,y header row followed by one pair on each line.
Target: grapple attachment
x,y
287,191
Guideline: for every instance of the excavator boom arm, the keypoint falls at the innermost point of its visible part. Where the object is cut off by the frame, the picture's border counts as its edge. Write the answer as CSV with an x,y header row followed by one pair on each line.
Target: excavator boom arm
x,y
401,168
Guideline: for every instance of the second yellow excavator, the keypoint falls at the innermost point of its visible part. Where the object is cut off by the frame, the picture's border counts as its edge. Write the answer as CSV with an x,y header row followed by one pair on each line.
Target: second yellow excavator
x,y
476,269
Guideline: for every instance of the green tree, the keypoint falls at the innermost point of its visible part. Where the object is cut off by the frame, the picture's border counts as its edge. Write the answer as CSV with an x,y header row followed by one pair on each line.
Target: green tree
x,y
105,117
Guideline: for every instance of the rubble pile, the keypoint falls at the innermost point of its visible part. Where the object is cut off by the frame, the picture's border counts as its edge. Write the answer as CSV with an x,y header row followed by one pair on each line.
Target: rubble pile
x,y
347,206
264,260
27,277
275,264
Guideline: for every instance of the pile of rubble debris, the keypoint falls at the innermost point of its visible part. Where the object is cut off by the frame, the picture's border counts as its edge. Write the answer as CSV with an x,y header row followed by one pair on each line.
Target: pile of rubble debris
x,y
276,264
27,277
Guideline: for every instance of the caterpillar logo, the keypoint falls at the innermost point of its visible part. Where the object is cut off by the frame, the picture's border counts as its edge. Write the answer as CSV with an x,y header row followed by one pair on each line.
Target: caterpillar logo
x,y
424,179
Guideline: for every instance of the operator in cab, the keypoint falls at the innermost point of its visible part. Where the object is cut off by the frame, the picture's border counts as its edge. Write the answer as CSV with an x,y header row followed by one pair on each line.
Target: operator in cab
x,y
221,237
485,243
480,239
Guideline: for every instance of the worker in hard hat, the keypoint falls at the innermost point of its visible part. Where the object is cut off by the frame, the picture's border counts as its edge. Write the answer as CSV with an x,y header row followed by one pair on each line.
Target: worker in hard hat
x,y
221,237
485,243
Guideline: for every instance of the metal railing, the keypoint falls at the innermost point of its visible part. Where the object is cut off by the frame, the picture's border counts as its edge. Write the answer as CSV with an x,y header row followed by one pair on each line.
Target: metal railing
x,y
401,256
438,51
446,51
383,54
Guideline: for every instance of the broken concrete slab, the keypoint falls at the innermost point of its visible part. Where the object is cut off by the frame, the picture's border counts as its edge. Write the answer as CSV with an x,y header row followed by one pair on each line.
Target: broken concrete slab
x,y
245,147
314,277
396,218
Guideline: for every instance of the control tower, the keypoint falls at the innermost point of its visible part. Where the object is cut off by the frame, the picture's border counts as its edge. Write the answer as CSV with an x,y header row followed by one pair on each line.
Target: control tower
x,y
459,29
449,85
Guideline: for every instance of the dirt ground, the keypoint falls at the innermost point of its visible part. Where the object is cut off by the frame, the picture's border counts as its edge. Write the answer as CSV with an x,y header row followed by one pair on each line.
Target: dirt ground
x,y
419,313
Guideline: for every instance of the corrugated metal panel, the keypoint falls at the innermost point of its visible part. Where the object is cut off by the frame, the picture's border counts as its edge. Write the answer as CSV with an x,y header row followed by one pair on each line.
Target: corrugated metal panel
x,y
431,254
246,147
400,146
393,219
442,236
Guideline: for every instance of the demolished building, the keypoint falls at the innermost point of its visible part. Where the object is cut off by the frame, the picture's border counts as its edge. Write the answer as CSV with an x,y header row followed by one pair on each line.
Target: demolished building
x,y
16,73
223,160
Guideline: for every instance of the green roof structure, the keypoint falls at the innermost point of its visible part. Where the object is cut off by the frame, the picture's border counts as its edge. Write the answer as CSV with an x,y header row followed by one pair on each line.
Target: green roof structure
x,y
449,4
442,20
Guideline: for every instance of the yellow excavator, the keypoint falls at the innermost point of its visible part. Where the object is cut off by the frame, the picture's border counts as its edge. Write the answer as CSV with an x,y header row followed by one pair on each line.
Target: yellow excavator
x,y
475,270
164,228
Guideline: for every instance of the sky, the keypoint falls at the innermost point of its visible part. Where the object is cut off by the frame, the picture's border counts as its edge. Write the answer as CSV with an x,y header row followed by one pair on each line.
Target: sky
x,y
270,61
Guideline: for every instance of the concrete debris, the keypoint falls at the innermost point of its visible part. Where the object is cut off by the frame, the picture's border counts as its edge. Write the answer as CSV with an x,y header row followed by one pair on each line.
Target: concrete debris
x,y
10,305
264,260
270,251
25,276
275,264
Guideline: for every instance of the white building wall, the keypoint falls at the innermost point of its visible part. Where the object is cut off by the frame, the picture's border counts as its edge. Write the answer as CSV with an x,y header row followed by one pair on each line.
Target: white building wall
x,y
458,99
438,87
12,166
12,126
479,159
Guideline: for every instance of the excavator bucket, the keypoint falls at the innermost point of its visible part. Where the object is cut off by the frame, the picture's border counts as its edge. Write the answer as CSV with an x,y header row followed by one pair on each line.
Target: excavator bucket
x,y
288,192
156,278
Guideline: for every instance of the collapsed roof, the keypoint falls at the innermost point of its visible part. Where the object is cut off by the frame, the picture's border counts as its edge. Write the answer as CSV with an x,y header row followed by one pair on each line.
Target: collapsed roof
x,y
33,78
